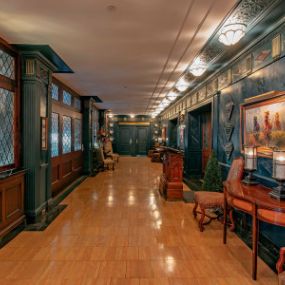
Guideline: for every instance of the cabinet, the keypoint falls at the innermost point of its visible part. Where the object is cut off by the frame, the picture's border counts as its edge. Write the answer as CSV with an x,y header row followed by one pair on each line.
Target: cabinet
x,y
171,180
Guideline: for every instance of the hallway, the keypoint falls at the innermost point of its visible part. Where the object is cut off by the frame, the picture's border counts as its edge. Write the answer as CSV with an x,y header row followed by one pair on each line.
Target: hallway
x,y
116,229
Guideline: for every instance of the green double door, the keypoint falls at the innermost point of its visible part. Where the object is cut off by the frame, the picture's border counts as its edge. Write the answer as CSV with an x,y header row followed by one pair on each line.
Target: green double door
x,y
133,140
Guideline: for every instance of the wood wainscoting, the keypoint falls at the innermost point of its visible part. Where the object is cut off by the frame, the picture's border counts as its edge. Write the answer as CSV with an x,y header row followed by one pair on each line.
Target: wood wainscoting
x,y
65,169
11,203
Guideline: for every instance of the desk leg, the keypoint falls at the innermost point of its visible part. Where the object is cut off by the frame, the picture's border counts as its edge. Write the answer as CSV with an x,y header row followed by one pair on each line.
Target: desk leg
x,y
225,218
255,234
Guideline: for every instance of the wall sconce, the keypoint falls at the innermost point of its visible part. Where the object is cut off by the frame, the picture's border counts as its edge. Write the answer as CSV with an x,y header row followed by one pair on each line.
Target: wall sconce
x,y
231,34
250,165
278,174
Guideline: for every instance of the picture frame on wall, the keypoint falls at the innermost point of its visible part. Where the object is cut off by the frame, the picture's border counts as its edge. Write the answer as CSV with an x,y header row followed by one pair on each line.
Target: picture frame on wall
x,y
276,46
262,55
44,133
242,68
263,122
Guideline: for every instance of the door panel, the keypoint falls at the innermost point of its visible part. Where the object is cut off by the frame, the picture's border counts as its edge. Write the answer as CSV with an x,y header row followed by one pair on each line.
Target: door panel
x,y
133,140
142,140
125,140
206,139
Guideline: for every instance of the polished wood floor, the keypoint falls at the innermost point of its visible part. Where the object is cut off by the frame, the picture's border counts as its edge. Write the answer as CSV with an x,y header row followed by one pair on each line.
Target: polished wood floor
x,y
118,230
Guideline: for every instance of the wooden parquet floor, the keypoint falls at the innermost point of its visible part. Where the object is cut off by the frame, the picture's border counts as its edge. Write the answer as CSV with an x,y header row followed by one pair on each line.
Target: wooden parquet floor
x,y
118,230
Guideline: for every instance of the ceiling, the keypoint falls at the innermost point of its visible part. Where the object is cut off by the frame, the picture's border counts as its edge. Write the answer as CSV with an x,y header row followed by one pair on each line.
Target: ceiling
x,y
128,52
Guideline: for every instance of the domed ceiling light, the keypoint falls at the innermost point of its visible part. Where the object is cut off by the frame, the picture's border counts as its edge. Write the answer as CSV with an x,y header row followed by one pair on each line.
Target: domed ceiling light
x,y
165,102
172,95
182,84
198,67
232,33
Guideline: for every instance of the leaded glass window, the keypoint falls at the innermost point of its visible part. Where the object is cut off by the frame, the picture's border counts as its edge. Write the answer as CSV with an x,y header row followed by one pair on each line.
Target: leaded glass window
x,y
77,134
77,103
6,127
67,98
66,134
54,134
54,91
7,65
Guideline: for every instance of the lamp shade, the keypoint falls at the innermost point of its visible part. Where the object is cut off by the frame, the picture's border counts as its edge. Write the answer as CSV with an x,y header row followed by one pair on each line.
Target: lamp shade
x,y
278,172
250,157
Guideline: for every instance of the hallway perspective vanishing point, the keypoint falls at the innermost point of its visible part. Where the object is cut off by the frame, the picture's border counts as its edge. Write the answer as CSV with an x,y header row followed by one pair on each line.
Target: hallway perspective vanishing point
x,y
116,229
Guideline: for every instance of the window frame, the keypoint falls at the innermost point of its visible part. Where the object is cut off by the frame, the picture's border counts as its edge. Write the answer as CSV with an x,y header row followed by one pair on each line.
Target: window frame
x,y
13,86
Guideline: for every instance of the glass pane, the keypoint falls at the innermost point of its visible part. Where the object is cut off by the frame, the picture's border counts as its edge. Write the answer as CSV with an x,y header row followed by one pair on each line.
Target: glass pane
x,y
6,127
67,98
7,65
77,134
54,134
66,134
77,103
54,92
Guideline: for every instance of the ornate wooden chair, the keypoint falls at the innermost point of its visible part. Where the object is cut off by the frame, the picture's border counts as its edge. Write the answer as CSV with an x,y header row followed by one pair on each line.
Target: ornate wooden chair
x,y
108,149
108,163
279,267
210,200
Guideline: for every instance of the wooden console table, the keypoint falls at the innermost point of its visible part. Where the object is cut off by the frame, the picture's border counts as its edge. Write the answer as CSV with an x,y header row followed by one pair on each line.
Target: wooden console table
x,y
171,180
255,201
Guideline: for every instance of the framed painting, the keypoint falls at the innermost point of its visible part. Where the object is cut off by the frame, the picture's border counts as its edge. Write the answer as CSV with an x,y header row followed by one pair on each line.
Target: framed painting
x,y
263,123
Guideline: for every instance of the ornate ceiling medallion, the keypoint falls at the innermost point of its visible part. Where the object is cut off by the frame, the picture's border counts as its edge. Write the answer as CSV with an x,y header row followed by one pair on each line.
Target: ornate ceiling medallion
x,y
231,34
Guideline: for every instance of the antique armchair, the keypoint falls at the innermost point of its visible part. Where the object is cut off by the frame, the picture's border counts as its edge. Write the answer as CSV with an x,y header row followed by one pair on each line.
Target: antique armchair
x,y
210,200
279,267
108,163
108,149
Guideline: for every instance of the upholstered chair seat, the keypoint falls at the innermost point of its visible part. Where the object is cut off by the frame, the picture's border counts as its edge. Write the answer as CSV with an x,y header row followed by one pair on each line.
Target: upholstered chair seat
x,y
206,200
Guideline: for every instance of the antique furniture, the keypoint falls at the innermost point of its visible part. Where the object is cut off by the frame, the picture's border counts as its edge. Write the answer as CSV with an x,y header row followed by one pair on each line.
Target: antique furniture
x,y
209,200
255,201
108,163
108,150
171,180
12,201
280,266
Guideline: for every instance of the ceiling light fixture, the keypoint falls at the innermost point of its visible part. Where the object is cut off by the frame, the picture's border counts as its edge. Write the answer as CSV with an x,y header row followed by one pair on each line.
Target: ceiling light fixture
x,y
172,95
198,67
182,84
231,34
132,116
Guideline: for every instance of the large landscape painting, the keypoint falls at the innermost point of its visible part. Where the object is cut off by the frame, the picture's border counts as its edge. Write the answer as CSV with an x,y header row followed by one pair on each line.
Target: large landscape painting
x,y
264,125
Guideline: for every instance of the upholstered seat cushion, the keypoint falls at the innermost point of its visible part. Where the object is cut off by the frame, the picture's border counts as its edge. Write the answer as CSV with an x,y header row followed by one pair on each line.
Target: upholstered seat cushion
x,y
207,199
281,278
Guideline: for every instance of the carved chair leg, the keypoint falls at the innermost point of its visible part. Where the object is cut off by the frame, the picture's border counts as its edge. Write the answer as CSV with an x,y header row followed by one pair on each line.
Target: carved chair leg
x,y
232,226
201,222
195,210
281,260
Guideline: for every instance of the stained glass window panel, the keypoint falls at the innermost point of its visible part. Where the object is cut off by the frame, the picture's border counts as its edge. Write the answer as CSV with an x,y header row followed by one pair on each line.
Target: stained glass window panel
x,y
54,92
77,103
7,65
6,127
67,98
77,134
54,134
66,134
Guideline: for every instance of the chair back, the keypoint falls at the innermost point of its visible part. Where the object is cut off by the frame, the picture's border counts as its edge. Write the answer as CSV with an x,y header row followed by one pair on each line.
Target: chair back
x,y
102,153
108,147
236,170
